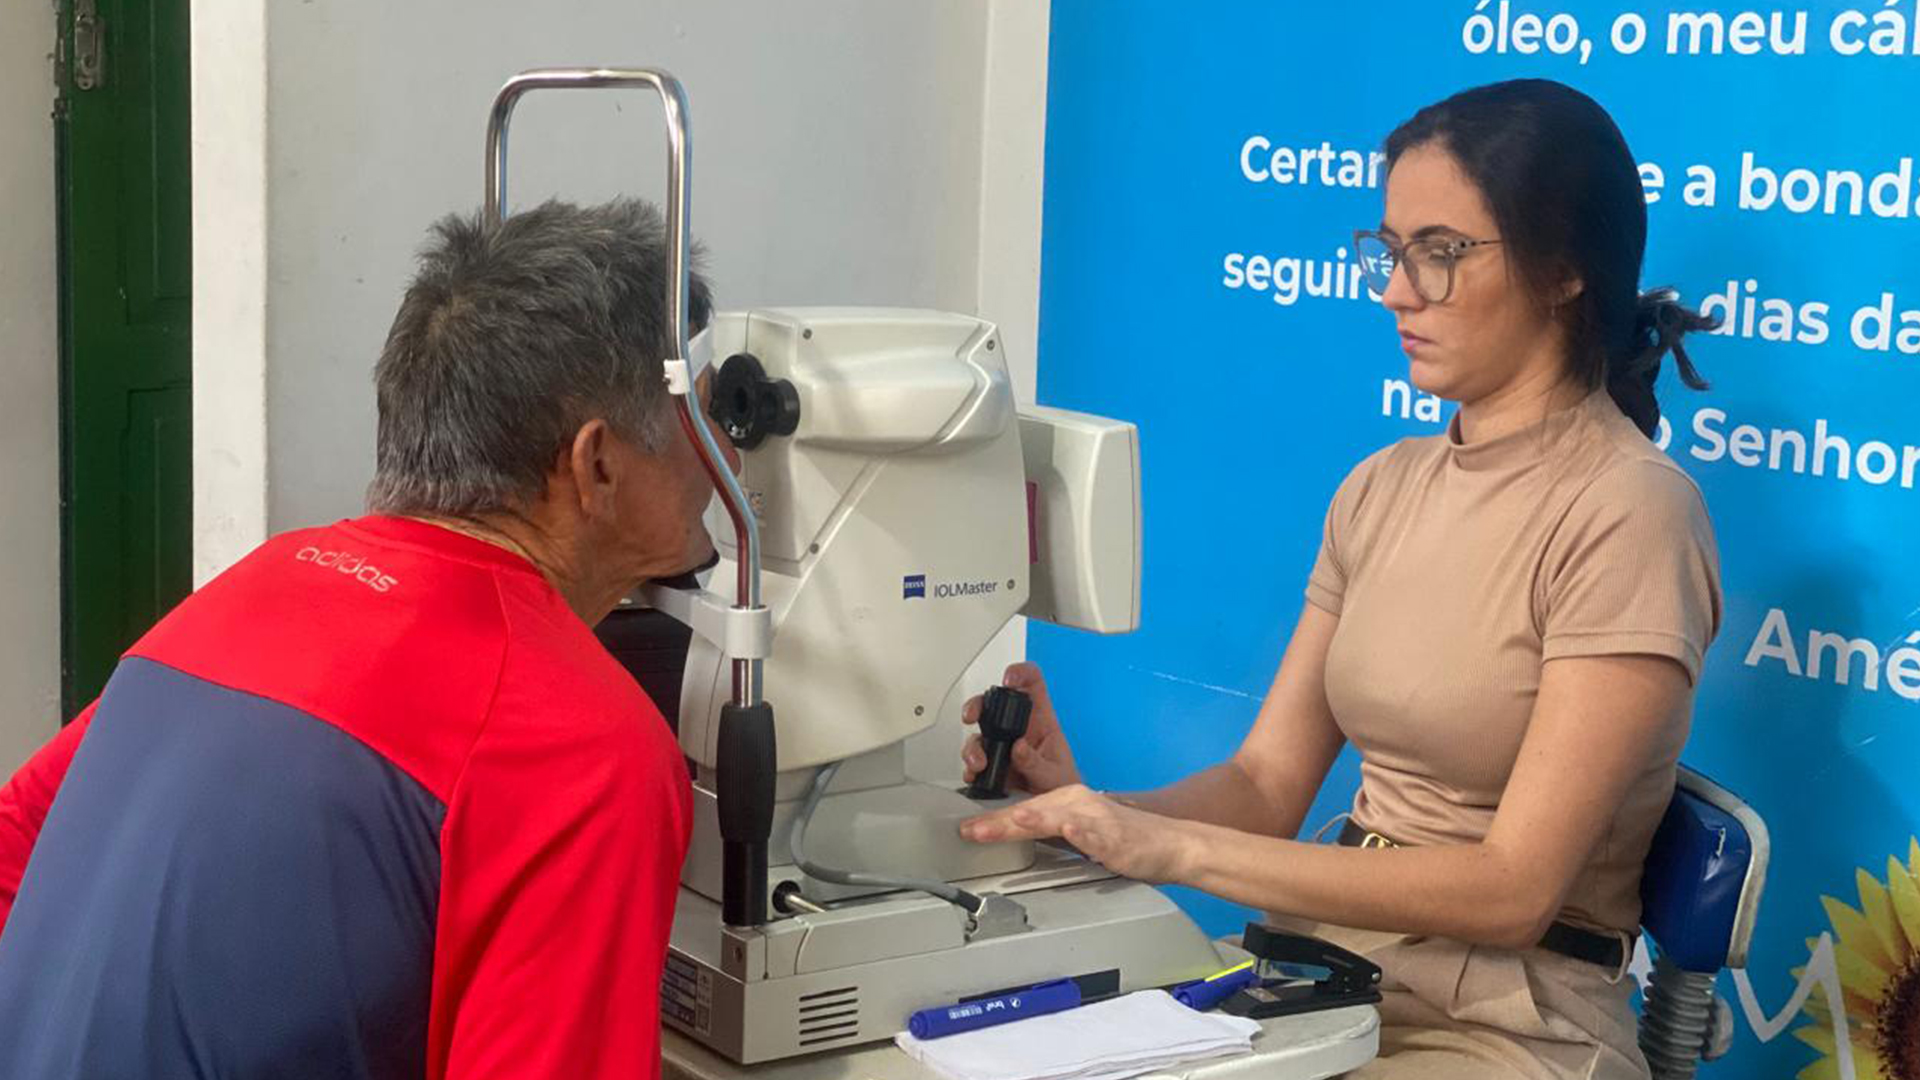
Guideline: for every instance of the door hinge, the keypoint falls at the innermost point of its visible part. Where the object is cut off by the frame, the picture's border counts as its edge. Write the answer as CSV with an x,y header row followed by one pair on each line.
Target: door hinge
x,y
89,46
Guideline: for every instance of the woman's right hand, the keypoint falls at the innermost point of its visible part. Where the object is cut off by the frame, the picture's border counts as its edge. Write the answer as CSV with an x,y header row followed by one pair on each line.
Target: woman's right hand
x,y
1042,761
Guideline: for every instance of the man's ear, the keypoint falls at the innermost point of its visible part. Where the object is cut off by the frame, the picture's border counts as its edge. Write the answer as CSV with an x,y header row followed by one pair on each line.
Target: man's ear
x,y
595,473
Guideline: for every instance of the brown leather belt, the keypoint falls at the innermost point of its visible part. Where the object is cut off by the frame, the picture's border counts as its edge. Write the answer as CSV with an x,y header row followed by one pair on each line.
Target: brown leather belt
x,y
1609,951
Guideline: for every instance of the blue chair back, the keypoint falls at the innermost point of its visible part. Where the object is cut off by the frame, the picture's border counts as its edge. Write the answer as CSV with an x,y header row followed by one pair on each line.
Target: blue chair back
x,y
1704,875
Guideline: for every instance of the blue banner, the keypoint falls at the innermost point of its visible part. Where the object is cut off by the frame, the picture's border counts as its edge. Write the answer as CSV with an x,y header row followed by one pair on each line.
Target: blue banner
x,y
1206,165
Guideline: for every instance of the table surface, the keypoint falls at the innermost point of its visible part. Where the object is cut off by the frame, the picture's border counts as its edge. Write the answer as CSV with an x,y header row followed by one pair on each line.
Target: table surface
x,y
1309,1046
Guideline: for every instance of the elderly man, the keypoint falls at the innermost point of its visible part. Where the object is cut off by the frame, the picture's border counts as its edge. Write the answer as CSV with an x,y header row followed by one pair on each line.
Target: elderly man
x,y
374,802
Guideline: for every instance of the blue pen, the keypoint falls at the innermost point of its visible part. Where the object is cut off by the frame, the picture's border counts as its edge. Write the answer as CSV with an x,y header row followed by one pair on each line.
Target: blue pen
x,y
1049,997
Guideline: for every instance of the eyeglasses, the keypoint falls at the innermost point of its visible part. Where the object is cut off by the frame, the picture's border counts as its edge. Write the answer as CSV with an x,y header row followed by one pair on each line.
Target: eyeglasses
x,y
1429,262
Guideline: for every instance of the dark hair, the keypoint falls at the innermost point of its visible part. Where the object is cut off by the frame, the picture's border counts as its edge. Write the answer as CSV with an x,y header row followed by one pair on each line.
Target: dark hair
x,y
513,336
1565,194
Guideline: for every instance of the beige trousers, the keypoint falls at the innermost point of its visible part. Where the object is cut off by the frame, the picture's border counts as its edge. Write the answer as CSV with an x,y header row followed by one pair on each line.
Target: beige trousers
x,y
1453,1011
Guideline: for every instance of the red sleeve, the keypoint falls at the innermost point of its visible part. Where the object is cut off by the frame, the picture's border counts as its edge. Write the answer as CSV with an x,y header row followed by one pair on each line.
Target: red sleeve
x,y
24,803
560,865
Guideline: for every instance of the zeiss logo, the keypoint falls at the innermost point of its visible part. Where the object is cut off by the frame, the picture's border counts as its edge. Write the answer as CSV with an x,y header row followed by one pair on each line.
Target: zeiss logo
x,y
914,587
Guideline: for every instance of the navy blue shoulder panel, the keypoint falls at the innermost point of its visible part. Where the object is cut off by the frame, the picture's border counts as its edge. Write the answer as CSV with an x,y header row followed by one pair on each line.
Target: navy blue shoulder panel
x,y
227,887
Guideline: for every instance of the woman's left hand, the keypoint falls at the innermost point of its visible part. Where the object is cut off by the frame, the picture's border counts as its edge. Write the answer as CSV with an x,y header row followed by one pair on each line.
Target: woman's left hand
x,y
1129,842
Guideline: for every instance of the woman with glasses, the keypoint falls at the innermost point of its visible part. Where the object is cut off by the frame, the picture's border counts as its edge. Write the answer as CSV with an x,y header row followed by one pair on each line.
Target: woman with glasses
x,y
1506,620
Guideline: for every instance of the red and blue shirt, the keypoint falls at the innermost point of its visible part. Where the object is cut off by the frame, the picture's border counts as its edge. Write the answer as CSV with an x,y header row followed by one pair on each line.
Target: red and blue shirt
x,y
373,803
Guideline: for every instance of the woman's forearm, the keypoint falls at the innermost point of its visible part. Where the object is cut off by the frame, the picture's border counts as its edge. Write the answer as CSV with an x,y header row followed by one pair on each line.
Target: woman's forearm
x,y
1224,795
1268,785
1471,892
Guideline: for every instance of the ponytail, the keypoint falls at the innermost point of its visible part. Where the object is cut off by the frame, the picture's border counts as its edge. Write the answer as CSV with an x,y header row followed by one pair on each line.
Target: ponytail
x,y
1659,324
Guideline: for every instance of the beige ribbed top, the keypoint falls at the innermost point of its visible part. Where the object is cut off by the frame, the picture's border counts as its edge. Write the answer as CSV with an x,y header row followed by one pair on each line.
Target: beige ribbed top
x,y
1458,570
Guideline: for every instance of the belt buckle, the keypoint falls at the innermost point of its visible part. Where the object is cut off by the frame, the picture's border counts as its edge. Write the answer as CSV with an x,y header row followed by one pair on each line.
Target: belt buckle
x,y
1375,840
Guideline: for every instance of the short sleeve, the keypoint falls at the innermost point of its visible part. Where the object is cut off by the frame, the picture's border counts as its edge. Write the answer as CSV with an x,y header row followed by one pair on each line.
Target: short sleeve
x,y
1333,567
24,803
1632,569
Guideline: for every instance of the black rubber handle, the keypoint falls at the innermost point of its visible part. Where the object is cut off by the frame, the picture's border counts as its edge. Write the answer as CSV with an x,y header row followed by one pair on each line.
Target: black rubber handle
x,y
746,766
1003,721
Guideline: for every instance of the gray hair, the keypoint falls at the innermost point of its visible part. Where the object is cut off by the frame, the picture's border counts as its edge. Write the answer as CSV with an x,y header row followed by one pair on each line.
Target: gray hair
x,y
513,336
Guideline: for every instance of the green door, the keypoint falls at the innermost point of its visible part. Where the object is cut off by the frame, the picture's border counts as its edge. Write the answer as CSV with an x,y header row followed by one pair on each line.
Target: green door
x,y
126,269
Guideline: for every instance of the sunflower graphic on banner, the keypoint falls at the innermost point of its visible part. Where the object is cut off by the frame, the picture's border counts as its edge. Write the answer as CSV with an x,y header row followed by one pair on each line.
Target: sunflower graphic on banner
x,y
1878,959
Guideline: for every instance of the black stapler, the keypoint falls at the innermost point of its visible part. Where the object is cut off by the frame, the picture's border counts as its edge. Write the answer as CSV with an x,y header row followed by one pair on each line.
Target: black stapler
x,y
1301,974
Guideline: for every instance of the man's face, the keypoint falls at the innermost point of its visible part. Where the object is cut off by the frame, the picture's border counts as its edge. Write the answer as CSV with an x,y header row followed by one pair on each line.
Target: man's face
x,y
659,527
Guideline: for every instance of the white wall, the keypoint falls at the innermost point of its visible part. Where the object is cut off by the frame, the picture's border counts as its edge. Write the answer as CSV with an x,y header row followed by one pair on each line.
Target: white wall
x,y
29,391
1013,154
228,47
845,151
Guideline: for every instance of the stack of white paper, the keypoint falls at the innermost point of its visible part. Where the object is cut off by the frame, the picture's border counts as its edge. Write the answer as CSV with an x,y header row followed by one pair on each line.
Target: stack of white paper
x,y
1124,1037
